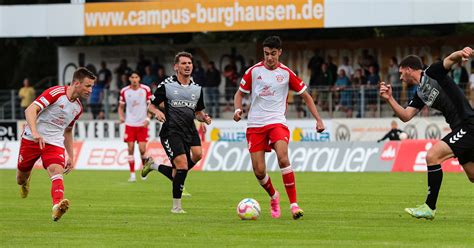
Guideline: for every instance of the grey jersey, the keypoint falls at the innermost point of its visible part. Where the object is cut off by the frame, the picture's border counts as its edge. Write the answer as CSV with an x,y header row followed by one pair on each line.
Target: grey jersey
x,y
181,103
438,91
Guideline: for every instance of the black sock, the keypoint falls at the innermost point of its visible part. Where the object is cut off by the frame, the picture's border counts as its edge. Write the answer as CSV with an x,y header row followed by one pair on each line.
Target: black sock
x,y
435,177
178,183
166,170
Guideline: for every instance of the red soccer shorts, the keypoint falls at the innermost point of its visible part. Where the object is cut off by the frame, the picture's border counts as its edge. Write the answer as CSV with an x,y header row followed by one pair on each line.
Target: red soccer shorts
x,y
138,134
30,152
263,138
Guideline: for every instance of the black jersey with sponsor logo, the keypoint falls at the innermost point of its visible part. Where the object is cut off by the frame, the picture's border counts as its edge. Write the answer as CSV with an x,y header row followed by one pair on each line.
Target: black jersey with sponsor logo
x,y
438,91
181,103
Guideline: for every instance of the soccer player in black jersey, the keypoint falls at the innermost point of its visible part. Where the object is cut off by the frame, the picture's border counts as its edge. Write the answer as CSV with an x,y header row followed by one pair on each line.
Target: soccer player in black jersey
x,y
183,102
435,89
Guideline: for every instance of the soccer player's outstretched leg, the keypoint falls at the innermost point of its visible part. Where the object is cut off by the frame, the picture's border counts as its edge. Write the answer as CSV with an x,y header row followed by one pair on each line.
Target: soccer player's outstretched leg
x,y
176,103
437,90
268,84
136,98
49,132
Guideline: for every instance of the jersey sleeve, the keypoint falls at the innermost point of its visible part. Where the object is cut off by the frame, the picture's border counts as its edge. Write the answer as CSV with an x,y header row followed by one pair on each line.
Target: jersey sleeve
x,y
437,71
200,104
148,94
159,96
416,102
122,97
296,83
246,82
49,96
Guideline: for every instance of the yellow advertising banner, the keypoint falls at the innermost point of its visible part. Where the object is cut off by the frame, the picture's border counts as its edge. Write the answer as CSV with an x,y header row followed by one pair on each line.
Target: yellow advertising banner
x,y
169,16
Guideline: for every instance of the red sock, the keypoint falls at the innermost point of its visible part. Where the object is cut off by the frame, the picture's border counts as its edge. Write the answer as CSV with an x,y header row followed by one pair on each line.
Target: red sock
x,y
266,183
131,163
289,181
57,188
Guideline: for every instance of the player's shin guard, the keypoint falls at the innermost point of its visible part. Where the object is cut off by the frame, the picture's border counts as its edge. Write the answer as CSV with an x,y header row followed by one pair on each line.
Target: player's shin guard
x,y
167,171
435,177
266,183
289,181
57,188
178,183
131,163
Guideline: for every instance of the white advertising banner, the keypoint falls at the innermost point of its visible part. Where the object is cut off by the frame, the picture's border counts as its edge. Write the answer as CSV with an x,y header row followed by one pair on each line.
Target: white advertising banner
x,y
374,129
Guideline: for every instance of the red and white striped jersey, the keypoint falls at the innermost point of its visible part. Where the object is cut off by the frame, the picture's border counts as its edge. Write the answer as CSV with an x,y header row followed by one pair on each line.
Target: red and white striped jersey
x,y
136,102
268,91
56,114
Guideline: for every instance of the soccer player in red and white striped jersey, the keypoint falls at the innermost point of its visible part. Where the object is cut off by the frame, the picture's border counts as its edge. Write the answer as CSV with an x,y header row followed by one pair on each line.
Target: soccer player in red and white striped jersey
x,y
268,83
135,98
49,131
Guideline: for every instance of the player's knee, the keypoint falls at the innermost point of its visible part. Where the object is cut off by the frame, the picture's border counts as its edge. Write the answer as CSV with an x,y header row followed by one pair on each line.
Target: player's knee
x,y
284,162
432,158
196,157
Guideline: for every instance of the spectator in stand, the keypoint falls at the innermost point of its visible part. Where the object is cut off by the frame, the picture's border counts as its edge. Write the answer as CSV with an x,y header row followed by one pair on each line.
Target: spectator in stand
x,y
230,74
332,69
155,66
199,74
373,79
149,78
121,70
323,84
358,80
343,92
95,100
346,67
460,76
211,89
142,63
161,75
314,66
393,78
104,76
27,95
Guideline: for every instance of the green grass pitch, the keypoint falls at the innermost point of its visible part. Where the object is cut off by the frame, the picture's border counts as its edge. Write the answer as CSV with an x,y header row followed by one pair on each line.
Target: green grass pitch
x,y
341,210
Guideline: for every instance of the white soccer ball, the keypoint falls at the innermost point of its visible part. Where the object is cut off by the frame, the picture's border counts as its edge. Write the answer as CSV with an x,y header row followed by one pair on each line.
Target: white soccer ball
x,y
403,136
248,209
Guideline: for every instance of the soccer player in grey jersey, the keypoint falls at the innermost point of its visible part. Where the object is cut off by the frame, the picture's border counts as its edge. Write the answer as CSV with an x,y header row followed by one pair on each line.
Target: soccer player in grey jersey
x,y
435,89
182,100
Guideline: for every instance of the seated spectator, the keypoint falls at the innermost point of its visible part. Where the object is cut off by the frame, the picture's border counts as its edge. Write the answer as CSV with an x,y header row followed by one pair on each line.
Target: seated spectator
x,y
373,79
148,78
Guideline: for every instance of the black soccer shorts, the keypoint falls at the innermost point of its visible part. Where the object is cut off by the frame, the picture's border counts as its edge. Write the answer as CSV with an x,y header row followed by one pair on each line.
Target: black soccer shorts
x,y
461,141
176,145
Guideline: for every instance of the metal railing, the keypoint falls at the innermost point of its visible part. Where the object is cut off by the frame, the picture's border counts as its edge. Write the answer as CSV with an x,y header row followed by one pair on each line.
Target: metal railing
x,y
349,102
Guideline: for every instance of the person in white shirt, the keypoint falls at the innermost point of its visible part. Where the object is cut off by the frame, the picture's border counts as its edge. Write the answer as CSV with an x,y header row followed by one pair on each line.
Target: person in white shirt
x,y
136,98
268,83
49,131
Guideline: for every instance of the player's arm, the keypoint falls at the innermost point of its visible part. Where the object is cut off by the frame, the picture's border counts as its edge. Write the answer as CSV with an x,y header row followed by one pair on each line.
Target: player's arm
x,y
405,114
457,57
31,115
121,113
200,114
239,95
156,100
314,111
244,88
384,137
68,145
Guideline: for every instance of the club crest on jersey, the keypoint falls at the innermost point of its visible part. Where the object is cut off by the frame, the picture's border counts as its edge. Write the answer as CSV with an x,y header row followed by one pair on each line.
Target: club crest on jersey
x,y
280,78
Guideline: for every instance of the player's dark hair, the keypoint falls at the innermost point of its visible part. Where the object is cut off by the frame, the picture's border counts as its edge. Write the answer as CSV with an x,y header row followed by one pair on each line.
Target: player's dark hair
x,y
134,72
272,42
411,61
81,73
182,54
